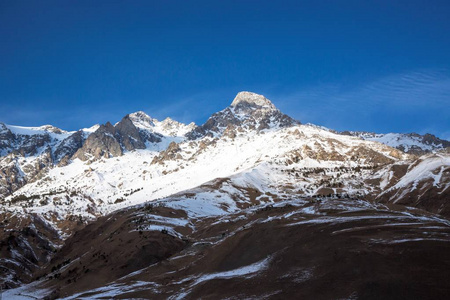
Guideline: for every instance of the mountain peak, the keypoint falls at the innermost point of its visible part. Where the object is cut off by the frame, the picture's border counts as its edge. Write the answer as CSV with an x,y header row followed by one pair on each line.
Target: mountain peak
x,y
139,114
249,111
249,98
141,120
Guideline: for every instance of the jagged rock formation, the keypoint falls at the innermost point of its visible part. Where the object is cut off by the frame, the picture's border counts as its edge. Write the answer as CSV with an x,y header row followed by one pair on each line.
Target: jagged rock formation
x,y
248,111
128,135
29,141
6,139
101,143
69,146
171,153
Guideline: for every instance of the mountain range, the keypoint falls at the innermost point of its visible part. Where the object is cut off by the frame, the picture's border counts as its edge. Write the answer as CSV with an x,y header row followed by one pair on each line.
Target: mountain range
x,y
250,204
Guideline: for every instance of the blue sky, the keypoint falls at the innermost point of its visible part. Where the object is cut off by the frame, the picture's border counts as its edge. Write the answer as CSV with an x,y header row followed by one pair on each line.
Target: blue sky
x,y
380,66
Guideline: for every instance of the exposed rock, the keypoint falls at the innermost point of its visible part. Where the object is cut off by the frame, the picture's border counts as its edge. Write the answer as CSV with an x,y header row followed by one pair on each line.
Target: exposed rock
x,y
69,146
14,175
101,143
128,135
367,155
7,139
11,176
171,153
248,111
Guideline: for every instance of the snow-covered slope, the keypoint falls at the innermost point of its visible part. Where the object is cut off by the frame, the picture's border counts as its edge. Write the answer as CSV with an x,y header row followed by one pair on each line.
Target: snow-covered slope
x,y
141,159
241,232
425,184
143,175
30,140
243,158
410,143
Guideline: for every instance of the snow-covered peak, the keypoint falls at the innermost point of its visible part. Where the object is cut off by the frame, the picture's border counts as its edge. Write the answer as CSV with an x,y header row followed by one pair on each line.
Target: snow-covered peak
x,y
167,127
170,127
44,129
90,129
141,120
249,112
252,99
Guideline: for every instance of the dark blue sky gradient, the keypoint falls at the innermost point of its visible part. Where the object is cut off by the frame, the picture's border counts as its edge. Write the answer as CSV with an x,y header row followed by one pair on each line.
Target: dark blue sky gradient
x,y
361,65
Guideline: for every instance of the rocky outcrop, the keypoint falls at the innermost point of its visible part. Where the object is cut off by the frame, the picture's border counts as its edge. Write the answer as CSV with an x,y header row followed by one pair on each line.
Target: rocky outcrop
x,y
248,112
128,135
111,141
69,146
171,153
101,143
11,176
7,139
430,139
15,173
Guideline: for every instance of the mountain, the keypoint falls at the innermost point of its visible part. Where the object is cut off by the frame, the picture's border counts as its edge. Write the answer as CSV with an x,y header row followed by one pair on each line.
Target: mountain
x,y
410,142
247,112
29,152
252,200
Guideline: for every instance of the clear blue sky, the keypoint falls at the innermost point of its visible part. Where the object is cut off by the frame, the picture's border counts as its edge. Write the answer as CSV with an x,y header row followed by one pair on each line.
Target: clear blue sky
x,y
379,66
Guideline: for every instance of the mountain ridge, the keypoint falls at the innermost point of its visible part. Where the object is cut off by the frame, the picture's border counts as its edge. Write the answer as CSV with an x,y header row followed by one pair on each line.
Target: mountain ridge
x,y
170,182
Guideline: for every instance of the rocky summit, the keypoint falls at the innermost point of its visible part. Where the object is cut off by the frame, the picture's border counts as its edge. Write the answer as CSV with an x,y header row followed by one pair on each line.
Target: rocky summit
x,y
252,204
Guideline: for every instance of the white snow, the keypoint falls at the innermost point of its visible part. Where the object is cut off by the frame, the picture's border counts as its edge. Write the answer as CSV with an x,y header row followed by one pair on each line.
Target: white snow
x,y
247,271
399,140
250,160
424,170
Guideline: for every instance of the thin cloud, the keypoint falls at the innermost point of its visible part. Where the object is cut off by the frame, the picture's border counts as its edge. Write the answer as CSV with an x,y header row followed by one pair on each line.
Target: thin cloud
x,y
415,88
424,94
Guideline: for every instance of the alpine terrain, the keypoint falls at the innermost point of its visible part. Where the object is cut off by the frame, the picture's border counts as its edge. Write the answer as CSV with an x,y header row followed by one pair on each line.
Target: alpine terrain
x,y
252,204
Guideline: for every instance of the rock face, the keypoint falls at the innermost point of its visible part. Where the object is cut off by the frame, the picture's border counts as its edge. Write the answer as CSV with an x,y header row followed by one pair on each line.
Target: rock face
x,y
248,111
247,99
131,133
29,141
69,146
47,146
7,139
171,153
11,176
101,143
128,135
